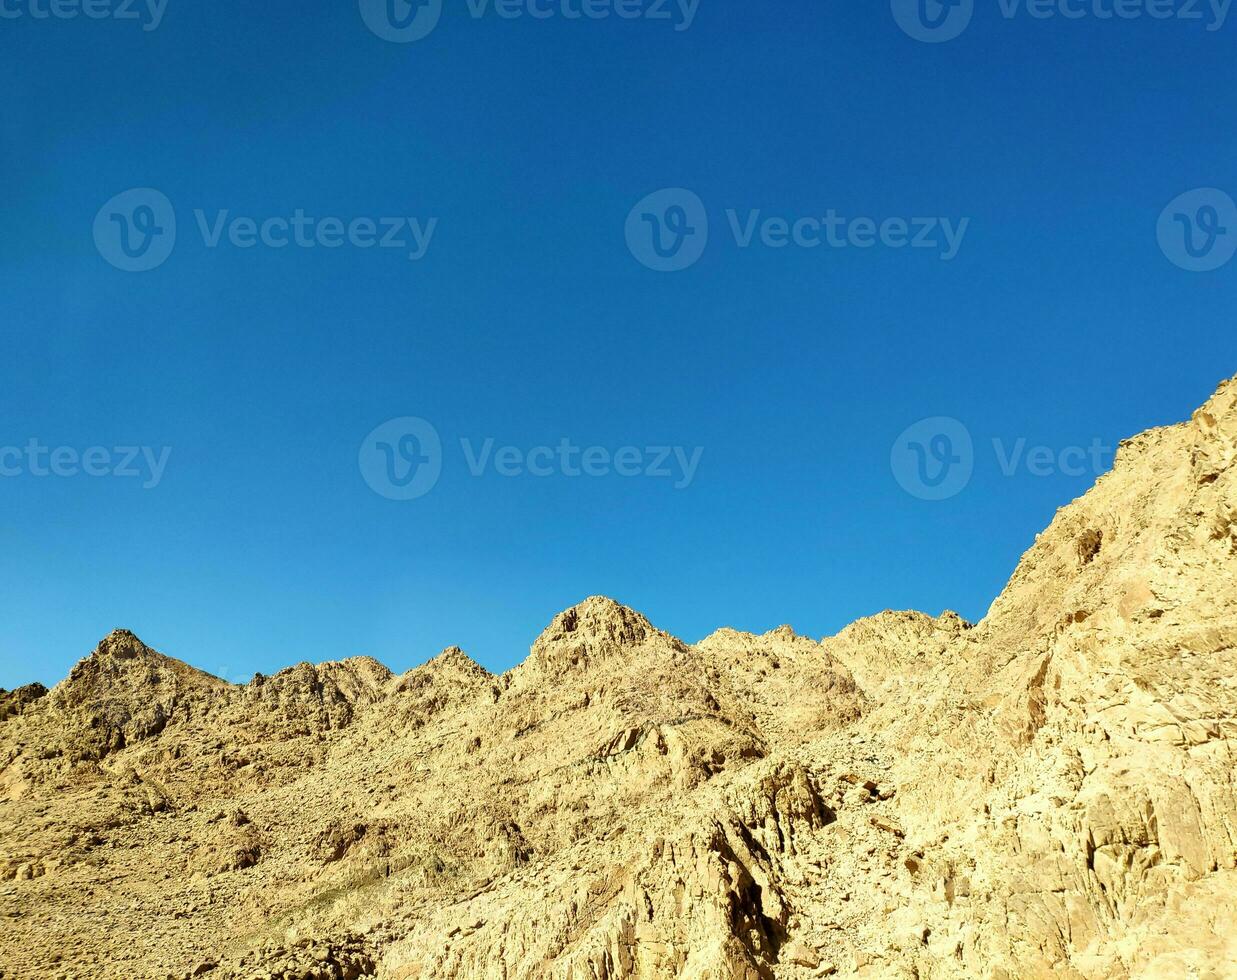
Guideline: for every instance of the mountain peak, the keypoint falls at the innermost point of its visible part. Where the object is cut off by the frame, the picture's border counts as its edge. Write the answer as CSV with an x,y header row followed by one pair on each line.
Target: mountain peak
x,y
453,660
120,643
124,669
596,628
597,618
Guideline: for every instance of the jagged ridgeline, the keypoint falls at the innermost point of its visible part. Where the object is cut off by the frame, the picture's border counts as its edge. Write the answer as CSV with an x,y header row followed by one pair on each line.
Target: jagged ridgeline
x,y
1047,793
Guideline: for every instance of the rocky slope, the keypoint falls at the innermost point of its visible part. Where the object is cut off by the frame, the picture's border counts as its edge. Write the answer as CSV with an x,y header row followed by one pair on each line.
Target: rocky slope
x,y
1047,793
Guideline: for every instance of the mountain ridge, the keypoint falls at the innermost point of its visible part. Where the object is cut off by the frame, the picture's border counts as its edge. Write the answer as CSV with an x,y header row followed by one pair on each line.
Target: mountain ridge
x,y
457,655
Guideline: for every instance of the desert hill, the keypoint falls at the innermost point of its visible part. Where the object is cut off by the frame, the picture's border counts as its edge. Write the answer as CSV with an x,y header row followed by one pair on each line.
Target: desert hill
x,y
1048,792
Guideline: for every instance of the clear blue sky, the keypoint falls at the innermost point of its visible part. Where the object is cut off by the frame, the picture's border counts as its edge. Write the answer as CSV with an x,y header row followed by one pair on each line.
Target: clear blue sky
x,y
528,320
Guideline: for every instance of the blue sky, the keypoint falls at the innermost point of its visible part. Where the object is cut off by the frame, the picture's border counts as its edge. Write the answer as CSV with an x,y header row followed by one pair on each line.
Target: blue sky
x,y
256,374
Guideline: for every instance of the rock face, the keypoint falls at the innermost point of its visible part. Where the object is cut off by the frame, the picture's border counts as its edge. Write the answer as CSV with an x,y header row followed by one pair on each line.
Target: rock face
x,y
1047,793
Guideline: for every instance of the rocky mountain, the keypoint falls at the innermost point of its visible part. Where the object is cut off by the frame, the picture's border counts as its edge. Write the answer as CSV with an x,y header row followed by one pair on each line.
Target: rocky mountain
x,y
1047,793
